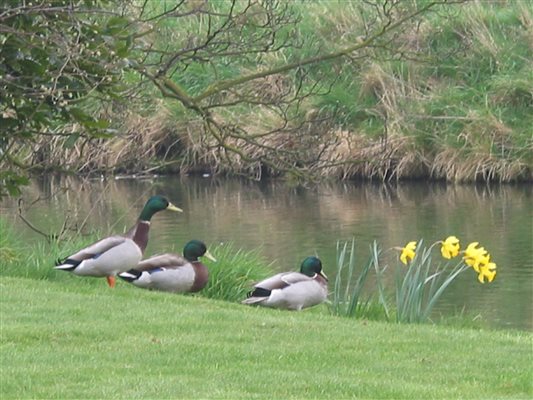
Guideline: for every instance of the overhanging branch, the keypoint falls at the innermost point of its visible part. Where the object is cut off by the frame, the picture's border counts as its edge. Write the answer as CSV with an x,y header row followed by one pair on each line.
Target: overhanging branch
x,y
226,84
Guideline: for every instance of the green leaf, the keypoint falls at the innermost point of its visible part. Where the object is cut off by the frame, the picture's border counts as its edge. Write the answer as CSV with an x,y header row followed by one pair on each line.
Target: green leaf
x,y
97,124
79,115
31,67
116,25
71,141
12,181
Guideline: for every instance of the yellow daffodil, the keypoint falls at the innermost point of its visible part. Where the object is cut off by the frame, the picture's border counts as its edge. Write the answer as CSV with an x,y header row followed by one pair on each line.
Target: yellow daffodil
x,y
475,257
487,271
480,262
450,247
408,252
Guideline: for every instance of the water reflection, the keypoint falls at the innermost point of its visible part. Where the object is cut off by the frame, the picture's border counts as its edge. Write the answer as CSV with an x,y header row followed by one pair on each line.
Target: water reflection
x,y
288,224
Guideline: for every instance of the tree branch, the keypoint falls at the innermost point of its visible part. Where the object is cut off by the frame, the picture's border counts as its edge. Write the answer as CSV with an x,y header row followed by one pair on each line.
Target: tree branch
x,y
224,85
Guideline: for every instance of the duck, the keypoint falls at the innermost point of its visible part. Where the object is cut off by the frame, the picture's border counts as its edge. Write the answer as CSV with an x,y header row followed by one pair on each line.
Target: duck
x,y
172,272
292,290
115,254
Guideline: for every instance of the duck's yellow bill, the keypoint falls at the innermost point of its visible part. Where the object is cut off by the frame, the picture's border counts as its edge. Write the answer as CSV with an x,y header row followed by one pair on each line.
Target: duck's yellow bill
x,y
172,207
210,256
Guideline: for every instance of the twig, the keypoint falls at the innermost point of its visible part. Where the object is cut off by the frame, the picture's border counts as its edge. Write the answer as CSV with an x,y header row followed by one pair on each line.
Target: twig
x,y
48,237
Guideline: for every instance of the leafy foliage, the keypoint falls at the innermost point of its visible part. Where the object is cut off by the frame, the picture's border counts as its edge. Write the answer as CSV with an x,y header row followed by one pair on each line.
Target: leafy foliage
x,y
57,61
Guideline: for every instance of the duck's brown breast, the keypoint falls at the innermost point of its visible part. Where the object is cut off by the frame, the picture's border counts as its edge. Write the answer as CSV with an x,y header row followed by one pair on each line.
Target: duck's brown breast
x,y
140,237
201,276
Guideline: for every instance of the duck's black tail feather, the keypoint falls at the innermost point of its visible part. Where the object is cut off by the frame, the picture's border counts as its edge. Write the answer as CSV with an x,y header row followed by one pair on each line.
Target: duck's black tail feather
x,y
131,275
259,292
66,264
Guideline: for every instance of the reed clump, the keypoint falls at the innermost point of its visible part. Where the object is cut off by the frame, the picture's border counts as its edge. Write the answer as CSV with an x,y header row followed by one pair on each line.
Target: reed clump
x,y
140,144
420,279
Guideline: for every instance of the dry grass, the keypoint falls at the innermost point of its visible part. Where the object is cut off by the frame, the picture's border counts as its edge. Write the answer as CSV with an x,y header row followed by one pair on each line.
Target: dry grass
x,y
477,29
143,144
486,141
452,166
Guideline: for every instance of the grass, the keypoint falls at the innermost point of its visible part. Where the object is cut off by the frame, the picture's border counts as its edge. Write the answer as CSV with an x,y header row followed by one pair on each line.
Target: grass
x,y
35,261
71,340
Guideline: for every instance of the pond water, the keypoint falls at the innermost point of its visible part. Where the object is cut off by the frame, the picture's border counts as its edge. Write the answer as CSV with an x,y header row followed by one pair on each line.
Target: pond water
x,y
287,224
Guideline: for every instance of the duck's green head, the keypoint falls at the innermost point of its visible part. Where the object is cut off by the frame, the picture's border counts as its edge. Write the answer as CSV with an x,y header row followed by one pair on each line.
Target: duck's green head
x,y
311,266
156,204
195,249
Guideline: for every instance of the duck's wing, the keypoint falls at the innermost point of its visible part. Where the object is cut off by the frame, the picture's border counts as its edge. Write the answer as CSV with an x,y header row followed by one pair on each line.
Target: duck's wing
x,y
282,280
96,249
292,278
167,260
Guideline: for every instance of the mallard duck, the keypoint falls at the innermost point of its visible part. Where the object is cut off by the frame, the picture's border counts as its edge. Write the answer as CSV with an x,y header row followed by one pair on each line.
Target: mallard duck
x,y
112,255
292,290
172,272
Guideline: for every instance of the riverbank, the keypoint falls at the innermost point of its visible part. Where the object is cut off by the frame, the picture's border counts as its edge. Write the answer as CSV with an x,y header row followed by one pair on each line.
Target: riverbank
x,y
72,340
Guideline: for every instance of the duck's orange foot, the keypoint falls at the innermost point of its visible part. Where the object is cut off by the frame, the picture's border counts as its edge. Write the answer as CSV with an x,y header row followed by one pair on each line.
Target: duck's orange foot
x,y
111,281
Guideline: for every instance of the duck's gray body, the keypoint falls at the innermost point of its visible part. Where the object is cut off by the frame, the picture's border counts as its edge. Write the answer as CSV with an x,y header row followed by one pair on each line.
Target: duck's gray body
x,y
289,290
169,273
109,256
113,256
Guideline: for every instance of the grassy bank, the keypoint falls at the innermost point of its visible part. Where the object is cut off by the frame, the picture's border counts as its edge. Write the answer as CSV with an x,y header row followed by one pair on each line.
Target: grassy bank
x,y
458,106
77,341
64,336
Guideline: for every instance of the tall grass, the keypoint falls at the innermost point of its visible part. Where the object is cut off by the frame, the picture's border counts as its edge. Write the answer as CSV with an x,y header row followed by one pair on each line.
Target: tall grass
x,y
9,252
36,261
234,273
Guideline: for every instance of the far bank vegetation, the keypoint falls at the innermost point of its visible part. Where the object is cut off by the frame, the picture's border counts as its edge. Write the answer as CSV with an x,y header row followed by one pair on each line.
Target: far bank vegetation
x,y
449,96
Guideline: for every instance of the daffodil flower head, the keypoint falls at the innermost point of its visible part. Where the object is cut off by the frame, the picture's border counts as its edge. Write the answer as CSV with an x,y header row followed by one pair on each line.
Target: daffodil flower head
x,y
481,261
450,247
474,256
408,252
487,271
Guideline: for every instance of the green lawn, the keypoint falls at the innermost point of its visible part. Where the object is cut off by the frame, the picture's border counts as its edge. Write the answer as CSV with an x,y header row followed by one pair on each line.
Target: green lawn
x,y
76,340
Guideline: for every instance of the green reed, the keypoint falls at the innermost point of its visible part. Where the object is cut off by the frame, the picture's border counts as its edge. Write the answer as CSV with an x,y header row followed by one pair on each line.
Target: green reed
x,y
348,297
234,273
420,285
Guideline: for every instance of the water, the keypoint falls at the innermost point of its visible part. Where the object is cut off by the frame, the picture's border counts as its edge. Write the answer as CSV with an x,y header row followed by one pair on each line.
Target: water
x,y
288,224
